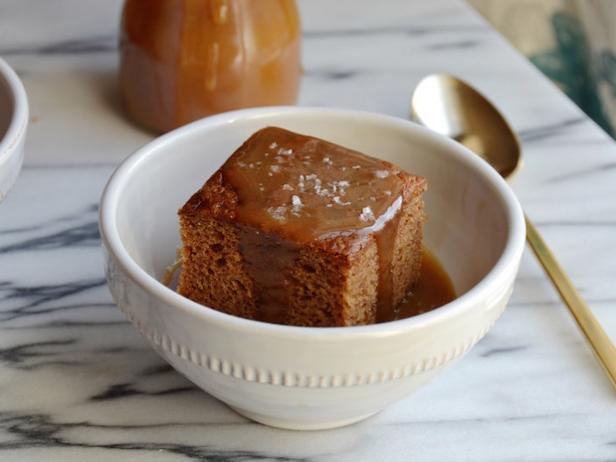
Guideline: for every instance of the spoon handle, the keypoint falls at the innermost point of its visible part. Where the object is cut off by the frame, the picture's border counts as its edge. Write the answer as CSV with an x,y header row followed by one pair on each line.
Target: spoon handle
x,y
599,341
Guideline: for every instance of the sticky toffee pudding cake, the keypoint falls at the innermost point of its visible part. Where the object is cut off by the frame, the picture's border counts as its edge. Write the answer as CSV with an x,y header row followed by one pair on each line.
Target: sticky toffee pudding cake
x,y
296,230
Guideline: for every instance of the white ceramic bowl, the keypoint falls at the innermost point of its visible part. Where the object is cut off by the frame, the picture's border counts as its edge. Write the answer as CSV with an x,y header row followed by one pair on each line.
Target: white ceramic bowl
x,y
310,378
13,124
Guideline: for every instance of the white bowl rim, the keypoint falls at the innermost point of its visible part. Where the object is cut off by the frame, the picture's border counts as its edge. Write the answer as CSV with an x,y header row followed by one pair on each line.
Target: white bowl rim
x,y
111,239
19,117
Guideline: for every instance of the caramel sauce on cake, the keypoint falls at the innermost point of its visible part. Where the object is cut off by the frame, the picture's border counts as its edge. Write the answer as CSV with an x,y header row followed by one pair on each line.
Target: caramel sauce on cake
x,y
306,189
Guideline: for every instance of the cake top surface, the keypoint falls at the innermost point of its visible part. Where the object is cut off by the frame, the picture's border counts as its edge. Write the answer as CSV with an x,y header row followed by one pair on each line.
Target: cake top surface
x,y
304,188
310,187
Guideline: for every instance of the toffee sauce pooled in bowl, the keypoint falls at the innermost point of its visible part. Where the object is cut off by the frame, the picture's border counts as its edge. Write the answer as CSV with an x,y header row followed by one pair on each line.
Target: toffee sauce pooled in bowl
x,y
432,290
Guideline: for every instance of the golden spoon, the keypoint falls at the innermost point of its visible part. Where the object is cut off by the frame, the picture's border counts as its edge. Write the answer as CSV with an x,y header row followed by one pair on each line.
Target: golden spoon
x,y
451,107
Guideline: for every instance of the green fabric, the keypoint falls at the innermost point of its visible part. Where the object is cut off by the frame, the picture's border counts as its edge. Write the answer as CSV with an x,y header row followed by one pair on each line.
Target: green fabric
x,y
576,70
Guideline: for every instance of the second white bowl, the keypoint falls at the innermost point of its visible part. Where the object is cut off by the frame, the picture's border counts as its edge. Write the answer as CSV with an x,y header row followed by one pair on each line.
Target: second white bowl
x,y
13,124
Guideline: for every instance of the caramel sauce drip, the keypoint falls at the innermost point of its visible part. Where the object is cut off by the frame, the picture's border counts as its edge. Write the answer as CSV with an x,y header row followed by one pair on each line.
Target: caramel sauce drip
x,y
385,238
185,59
307,190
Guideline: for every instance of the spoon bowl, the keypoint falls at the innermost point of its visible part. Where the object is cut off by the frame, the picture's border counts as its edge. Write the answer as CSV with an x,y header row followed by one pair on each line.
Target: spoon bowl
x,y
453,108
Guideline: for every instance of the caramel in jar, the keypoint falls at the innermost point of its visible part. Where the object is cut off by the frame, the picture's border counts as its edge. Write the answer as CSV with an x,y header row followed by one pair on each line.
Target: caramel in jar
x,y
185,59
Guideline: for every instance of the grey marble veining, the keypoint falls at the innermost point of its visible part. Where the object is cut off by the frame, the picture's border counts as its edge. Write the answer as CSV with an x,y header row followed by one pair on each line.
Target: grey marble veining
x,y
77,382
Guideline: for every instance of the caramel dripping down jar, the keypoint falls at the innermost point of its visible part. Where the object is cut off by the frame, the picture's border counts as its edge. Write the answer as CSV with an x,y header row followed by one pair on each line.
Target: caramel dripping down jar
x,y
182,60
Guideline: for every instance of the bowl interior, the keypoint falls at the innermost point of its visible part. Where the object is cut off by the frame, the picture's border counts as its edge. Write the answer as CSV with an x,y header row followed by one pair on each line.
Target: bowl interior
x,y
467,224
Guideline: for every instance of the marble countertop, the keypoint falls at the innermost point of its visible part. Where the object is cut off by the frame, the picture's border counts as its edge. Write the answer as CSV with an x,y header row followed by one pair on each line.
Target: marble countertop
x,y
78,383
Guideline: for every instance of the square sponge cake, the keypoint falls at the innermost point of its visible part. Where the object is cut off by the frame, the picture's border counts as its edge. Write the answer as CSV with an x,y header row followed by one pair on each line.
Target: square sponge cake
x,y
296,230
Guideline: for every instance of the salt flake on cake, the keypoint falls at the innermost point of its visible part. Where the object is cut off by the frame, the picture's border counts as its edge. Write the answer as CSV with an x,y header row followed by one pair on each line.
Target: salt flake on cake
x,y
366,214
297,204
285,152
339,201
278,213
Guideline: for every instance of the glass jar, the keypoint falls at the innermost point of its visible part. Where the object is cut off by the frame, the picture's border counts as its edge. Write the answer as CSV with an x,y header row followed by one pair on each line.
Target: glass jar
x,y
185,59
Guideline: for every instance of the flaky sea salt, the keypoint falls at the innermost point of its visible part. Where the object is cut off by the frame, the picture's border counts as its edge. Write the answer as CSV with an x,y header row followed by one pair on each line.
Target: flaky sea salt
x,y
317,185
296,202
278,213
285,152
300,183
356,167
387,193
287,187
339,201
381,174
274,145
366,214
327,161
275,168
342,186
